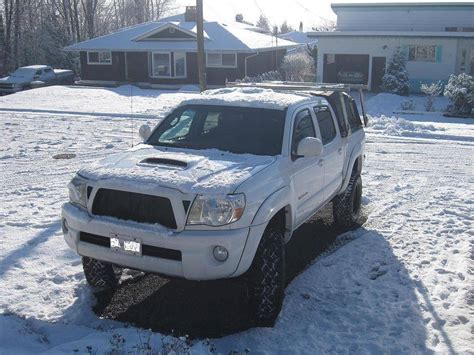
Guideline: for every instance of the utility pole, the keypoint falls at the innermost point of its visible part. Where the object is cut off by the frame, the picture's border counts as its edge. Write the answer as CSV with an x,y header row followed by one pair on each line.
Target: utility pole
x,y
200,45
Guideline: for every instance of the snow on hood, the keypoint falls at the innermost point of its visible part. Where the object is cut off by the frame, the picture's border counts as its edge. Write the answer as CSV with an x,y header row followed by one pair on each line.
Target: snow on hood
x,y
193,171
246,97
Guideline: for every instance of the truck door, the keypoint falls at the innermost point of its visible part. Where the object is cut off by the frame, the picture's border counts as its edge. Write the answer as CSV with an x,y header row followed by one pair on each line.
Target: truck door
x,y
308,172
48,76
333,153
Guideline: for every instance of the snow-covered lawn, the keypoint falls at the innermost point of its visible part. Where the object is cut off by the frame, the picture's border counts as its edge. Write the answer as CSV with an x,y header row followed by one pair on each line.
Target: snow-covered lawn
x,y
402,284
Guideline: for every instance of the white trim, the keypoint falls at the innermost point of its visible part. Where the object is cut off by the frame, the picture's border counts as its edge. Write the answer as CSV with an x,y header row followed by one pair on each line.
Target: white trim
x,y
153,65
98,54
163,28
172,66
221,65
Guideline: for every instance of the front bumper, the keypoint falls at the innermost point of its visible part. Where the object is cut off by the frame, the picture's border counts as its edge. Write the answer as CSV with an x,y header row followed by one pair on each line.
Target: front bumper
x,y
12,90
196,247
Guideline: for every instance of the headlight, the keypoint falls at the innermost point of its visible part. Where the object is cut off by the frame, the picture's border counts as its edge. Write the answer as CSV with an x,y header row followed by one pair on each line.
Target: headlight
x,y
78,191
216,211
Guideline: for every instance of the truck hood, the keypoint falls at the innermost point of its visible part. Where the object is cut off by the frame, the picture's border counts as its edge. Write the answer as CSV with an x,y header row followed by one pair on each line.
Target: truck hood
x,y
189,171
15,80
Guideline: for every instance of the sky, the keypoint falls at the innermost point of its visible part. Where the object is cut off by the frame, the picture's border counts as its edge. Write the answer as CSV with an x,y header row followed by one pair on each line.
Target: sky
x,y
310,12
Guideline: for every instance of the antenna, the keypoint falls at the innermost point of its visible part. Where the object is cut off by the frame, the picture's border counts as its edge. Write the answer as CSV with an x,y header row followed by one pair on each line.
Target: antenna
x,y
131,110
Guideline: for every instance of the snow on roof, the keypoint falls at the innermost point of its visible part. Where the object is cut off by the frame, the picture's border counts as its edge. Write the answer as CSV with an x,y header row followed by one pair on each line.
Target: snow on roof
x,y
219,37
298,37
248,97
38,66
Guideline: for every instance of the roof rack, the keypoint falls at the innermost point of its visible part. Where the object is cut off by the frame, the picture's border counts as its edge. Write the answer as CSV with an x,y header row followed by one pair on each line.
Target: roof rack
x,y
299,87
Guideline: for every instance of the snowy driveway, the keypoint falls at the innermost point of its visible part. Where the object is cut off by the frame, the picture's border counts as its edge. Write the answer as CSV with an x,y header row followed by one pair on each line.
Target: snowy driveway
x,y
402,283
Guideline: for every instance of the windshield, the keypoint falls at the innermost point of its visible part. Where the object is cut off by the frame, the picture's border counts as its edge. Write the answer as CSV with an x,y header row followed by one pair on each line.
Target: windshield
x,y
23,72
233,129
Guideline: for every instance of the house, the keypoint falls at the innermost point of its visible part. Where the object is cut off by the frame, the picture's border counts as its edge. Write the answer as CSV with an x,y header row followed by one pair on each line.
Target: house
x,y
164,53
437,40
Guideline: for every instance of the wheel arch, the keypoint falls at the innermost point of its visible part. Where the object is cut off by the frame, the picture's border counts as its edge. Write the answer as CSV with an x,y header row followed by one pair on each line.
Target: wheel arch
x,y
354,166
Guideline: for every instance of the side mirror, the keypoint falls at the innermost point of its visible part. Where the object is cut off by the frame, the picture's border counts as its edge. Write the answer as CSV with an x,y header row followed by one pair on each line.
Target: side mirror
x,y
309,147
36,77
145,132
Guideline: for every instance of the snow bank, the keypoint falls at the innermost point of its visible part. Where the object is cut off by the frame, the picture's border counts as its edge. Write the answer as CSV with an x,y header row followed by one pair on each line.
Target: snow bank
x,y
395,126
386,104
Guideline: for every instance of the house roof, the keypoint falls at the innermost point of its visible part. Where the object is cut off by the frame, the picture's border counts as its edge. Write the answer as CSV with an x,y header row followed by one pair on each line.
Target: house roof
x,y
219,37
434,34
299,37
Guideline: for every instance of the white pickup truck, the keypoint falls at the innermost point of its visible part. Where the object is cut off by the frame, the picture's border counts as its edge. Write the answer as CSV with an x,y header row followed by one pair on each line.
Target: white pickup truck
x,y
41,75
217,189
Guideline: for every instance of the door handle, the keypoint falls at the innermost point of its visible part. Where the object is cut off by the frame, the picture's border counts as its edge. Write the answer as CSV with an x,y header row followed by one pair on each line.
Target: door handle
x,y
321,162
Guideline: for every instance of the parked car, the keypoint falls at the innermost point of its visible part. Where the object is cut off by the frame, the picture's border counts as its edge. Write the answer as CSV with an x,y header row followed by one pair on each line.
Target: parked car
x,y
40,75
347,76
217,189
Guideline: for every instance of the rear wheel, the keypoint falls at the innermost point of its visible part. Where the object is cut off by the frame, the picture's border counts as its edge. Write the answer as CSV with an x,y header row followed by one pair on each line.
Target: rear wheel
x,y
346,206
100,273
266,278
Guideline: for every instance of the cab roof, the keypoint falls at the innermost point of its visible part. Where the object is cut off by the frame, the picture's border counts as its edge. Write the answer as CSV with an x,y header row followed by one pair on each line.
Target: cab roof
x,y
250,97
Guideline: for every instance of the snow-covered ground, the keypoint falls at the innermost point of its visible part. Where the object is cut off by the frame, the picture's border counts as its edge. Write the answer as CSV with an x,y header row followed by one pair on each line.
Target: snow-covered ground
x,y
402,284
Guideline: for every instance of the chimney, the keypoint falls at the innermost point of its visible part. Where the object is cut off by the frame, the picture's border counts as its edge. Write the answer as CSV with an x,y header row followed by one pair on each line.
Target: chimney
x,y
191,14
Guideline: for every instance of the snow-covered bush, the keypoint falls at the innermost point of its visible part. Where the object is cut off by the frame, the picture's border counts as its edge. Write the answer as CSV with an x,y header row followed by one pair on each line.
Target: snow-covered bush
x,y
268,76
460,91
432,91
297,66
395,80
408,105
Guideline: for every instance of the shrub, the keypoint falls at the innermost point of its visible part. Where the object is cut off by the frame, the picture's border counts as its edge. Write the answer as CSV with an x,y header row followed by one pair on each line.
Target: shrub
x,y
297,66
395,80
268,76
408,105
432,91
460,91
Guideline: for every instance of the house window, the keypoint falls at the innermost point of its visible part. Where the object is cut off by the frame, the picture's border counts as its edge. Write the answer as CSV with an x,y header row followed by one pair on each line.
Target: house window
x,y
166,65
99,57
422,53
180,65
221,60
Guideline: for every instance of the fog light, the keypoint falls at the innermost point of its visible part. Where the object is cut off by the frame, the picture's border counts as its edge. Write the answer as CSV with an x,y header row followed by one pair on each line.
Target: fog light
x,y
65,226
220,253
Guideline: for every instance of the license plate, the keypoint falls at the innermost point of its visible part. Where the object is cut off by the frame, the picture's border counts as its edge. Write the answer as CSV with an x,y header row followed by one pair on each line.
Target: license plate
x,y
126,245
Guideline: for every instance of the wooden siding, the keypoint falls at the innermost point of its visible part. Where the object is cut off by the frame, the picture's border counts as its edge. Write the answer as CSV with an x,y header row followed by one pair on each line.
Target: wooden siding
x,y
112,72
138,68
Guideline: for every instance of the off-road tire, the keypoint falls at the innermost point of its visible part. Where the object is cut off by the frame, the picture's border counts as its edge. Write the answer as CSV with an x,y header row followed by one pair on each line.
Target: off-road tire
x,y
266,278
346,206
100,273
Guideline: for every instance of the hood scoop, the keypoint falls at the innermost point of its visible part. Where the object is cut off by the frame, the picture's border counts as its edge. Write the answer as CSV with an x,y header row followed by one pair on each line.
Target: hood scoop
x,y
164,161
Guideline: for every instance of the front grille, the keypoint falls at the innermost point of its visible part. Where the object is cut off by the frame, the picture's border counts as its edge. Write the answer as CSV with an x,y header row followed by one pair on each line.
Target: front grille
x,y
148,250
133,206
6,86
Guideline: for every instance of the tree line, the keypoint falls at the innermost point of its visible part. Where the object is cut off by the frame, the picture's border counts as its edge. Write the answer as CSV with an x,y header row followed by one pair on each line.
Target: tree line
x,y
36,31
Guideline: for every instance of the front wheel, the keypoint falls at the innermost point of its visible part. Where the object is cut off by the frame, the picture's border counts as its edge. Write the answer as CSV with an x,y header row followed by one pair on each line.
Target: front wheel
x,y
99,273
346,206
266,278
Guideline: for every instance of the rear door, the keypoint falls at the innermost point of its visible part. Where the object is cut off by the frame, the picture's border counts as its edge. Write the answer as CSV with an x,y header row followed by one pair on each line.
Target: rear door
x,y
308,172
333,153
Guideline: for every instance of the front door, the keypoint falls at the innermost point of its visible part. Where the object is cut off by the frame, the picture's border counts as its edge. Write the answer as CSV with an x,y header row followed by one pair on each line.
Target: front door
x,y
378,71
308,172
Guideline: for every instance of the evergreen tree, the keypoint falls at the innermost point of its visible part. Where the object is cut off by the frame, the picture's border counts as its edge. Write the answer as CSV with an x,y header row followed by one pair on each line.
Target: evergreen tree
x,y
263,23
395,79
285,28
